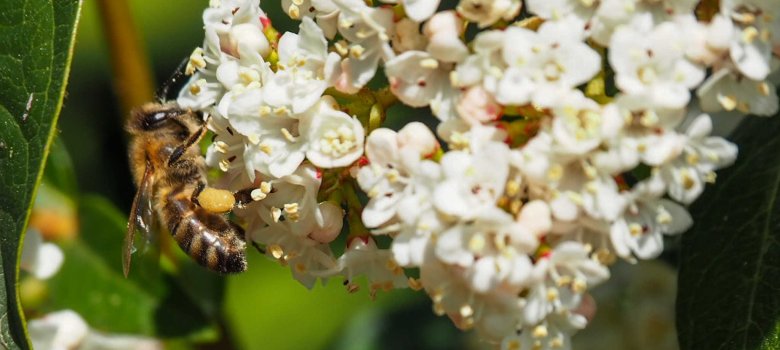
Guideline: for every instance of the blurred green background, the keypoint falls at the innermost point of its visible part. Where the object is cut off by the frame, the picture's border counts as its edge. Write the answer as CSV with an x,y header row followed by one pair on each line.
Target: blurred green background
x,y
263,307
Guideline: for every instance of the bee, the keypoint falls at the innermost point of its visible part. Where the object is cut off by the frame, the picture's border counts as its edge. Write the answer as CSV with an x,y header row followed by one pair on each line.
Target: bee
x,y
170,175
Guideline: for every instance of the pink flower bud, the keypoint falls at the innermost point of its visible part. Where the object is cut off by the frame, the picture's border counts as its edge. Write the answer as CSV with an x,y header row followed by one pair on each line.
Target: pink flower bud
x,y
477,106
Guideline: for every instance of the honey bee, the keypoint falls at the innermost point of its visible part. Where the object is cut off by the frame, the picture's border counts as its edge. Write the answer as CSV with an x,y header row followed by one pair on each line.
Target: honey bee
x,y
169,172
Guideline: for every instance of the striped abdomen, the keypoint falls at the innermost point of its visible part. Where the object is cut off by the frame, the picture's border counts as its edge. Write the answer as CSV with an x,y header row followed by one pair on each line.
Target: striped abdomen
x,y
208,238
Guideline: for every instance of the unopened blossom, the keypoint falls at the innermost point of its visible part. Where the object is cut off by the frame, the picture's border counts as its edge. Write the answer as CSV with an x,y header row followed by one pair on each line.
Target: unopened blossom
x,y
487,12
476,105
443,32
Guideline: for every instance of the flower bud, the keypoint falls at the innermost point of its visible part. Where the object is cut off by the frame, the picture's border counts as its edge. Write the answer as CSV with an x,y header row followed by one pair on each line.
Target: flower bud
x,y
331,223
535,216
417,136
443,31
477,106
245,37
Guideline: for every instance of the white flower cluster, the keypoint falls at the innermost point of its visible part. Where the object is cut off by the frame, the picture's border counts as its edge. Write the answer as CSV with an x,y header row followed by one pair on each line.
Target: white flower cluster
x,y
544,178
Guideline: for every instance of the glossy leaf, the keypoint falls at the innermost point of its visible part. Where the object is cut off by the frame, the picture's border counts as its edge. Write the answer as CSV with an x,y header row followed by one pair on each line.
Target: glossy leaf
x,y
729,280
36,41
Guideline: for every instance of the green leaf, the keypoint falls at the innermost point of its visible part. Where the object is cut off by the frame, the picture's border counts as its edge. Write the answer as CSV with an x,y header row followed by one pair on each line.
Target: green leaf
x,y
148,302
729,281
36,42
59,169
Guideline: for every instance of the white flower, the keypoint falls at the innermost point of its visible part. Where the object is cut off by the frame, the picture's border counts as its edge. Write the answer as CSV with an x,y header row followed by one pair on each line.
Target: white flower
x,y
756,34
565,275
40,258
727,90
545,64
612,15
563,9
494,314
418,80
703,154
407,36
485,66
492,250
305,69
334,138
652,65
58,331
63,330
472,182
270,138
235,28
417,10
387,178
640,231
324,12
579,124
289,221
443,32
363,258
487,12
366,30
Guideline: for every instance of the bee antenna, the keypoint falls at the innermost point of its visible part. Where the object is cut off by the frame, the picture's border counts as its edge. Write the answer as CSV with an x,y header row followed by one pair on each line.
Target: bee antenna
x,y
163,92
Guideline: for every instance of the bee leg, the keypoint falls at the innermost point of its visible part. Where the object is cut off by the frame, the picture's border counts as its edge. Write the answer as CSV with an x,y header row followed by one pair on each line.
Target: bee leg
x,y
258,247
243,197
191,140
196,193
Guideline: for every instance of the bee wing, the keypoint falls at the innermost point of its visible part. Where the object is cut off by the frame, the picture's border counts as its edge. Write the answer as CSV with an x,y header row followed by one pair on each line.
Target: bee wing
x,y
140,221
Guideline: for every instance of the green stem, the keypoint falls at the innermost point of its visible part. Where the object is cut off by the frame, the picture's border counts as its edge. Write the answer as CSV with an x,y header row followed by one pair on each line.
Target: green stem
x,y
132,73
354,210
